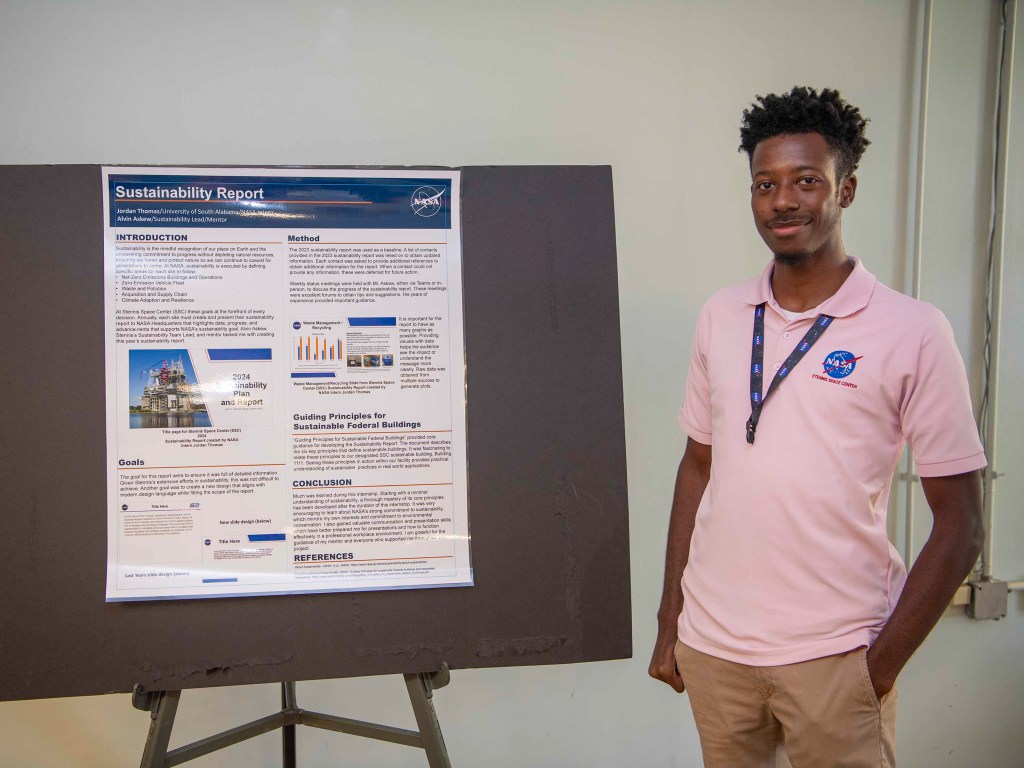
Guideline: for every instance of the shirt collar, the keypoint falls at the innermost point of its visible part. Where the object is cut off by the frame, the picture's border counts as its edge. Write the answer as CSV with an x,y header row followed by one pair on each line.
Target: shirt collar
x,y
853,295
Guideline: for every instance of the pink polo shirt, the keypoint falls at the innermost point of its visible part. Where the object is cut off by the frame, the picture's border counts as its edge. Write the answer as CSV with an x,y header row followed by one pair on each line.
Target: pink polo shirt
x,y
789,559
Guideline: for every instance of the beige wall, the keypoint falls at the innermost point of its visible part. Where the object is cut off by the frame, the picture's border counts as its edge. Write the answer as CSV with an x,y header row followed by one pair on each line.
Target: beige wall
x,y
656,90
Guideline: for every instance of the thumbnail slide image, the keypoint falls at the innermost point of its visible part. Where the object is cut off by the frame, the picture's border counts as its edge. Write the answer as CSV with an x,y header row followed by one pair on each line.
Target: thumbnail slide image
x,y
163,390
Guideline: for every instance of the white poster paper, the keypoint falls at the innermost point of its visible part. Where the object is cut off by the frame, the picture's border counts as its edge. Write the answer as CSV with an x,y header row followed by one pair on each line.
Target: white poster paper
x,y
285,381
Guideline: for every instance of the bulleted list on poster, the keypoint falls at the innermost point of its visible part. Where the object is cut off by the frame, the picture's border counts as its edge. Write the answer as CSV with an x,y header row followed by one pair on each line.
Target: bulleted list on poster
x,y
285,381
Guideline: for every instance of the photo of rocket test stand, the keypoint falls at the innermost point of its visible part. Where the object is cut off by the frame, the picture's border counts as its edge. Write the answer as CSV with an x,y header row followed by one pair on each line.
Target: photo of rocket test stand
x,y
169,390
170,396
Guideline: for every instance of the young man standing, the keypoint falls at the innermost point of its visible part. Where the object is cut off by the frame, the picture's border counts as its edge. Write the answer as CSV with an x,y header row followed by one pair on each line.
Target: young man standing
x,y
786,614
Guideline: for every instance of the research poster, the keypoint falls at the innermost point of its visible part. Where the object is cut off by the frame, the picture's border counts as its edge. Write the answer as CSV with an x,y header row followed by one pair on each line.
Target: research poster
x,y
285,381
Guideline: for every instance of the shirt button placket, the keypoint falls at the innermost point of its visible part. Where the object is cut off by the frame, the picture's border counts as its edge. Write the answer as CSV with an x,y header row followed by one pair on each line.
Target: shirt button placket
x,y
781,351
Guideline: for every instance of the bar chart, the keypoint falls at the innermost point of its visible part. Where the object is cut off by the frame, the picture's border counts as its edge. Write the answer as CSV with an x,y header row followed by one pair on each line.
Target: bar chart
x,y
315,348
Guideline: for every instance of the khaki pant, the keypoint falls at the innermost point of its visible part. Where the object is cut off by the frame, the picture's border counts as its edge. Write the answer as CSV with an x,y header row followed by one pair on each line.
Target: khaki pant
x,y
821,713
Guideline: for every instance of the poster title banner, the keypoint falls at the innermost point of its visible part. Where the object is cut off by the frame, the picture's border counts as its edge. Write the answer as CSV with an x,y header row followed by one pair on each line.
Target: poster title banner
x,y
309,202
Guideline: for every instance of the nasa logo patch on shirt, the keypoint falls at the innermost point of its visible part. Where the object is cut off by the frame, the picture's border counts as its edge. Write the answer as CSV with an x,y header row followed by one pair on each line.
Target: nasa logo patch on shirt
x,y
837,366
840,364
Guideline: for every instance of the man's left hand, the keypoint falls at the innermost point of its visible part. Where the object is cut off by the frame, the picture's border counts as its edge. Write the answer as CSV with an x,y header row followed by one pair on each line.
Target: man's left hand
x,y
947,557
880,681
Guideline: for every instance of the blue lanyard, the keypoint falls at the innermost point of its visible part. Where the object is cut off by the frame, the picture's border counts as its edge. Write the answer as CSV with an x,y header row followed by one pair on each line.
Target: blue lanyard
x,y
757,363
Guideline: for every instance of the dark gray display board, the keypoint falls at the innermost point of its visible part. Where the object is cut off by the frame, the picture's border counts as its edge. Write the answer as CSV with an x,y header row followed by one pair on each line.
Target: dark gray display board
x,y
547,464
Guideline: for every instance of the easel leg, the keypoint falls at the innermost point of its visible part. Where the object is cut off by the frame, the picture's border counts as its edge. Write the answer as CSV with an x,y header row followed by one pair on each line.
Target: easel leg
x,y
288,756
164,709
421,694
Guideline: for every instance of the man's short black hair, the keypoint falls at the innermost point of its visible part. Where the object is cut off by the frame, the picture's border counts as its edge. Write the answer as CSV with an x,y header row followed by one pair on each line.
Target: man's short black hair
x,y
805,110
